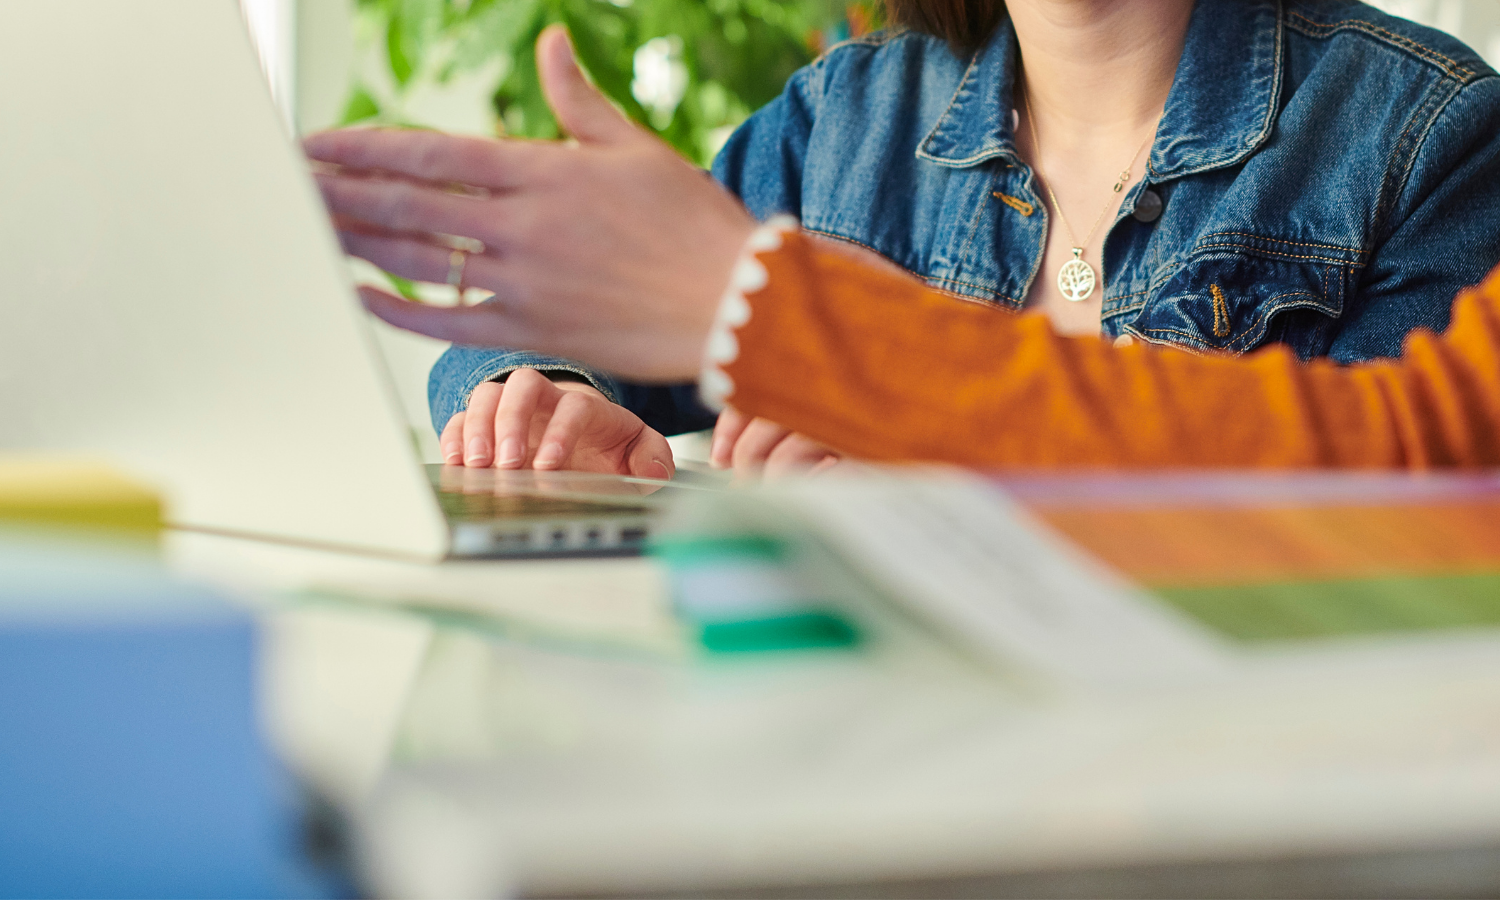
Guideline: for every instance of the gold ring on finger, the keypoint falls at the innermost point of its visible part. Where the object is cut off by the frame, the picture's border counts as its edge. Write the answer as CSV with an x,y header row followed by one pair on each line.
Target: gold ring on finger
x,y
458,261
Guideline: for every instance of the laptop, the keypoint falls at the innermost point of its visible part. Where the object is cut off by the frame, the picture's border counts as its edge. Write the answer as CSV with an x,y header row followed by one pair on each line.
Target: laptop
x,y
176,303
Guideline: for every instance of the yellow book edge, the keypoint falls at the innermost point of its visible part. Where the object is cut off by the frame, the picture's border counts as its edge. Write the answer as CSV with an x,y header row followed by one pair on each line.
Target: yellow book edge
x,y
75,492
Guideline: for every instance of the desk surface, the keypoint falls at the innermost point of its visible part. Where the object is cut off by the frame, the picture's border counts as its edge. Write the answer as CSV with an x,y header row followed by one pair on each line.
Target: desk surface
x,y
553,706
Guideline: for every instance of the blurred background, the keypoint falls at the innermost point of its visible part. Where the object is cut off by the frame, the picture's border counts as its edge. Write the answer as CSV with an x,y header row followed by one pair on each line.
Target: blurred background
x,y
691,70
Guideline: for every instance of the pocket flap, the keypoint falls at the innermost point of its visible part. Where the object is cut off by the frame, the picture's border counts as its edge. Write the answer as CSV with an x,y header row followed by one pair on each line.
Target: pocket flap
x,y
1234,303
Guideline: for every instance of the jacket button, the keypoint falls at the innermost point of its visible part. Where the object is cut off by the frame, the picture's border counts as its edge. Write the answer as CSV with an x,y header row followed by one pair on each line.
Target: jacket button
x,y
1148,206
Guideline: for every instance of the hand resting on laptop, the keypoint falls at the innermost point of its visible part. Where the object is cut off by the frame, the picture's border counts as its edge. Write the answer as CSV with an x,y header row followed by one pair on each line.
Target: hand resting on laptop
x,y
529,421
754,446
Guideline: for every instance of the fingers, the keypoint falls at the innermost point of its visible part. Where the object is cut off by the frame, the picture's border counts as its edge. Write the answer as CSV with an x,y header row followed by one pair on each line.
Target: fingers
x,y
569,426
404,206
755,444
650,456
428,155
414,258
828,462
525,391
569,420
484,325
451,441
727,430
796,455
479,424
581,110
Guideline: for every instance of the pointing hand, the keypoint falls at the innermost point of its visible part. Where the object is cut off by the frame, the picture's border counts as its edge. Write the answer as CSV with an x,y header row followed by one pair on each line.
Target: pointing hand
x,y
613,251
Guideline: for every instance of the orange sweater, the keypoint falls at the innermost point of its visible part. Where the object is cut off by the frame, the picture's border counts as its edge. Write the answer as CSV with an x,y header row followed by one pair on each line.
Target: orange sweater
x,y
872,362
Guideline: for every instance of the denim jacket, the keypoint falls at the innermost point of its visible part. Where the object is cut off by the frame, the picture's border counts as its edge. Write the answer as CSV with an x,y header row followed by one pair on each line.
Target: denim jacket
x,y
1325,176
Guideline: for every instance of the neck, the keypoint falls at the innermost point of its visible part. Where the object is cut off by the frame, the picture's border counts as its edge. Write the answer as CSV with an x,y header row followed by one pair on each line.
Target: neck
x,y
1098,69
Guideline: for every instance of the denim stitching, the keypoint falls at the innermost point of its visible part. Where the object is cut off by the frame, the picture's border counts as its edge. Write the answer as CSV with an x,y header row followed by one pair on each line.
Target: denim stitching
x,y
1120,310
1326,259
987,302
1221,312
936,280
818,87
930,280
1029,184
860,243
850,240
1390,192
1267,124
1124,310
1015,203
922,147
1119,297
1257,331
591,377
1190,339
1257,237
493,373
1313,29
1273,108
979,211
550,367
873,39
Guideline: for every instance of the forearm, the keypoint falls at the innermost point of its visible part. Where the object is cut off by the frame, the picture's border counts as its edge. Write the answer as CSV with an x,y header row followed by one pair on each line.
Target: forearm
x,y
872,362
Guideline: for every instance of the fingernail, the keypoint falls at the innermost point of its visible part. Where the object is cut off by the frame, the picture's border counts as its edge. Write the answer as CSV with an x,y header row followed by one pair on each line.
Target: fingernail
x,y
662,467
478,452
510,452
453,453
549,457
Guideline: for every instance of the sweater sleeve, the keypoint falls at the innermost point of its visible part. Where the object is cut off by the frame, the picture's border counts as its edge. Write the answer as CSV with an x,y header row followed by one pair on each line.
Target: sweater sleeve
x,y
869,360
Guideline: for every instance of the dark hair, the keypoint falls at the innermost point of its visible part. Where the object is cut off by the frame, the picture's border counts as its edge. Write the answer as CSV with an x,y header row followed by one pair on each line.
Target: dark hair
x,y
964,24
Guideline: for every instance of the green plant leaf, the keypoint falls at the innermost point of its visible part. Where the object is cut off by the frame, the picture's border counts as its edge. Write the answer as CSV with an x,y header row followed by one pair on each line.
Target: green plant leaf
x,y
495,29
404,287
361,106
401,66
419,24
738,53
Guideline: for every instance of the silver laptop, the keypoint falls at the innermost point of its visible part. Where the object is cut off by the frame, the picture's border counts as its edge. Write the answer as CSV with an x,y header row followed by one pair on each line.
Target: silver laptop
x,y
176,303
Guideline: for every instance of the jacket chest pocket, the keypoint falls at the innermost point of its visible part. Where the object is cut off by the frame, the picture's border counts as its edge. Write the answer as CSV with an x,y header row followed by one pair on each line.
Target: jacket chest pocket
x,y
1236,302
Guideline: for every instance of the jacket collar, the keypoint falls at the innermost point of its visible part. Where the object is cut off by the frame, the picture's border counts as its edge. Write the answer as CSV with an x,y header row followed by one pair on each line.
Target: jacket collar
x,y
1220,110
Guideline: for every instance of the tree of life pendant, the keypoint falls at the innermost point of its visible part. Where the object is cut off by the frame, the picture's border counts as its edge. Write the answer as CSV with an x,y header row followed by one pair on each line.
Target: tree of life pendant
x,y
1076,278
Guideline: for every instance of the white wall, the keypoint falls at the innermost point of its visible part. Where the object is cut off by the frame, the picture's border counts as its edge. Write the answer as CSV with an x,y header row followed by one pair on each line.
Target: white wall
x,y
1476,22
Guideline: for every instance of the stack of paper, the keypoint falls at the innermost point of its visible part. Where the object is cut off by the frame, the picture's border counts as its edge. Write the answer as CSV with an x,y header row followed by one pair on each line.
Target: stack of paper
x,y
1272,558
